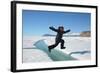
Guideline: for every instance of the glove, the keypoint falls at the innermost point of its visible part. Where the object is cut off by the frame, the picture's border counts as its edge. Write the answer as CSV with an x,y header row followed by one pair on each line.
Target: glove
x,y
51,27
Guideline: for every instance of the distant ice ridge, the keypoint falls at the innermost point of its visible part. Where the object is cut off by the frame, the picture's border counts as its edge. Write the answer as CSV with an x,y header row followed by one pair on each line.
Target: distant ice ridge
x,y
28,41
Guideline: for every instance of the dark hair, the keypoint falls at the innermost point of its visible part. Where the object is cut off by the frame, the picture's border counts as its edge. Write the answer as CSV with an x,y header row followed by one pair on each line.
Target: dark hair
x,y
60,27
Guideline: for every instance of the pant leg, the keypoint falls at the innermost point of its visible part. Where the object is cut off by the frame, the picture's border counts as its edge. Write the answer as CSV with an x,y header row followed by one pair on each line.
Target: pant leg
x,y
62,43
54,45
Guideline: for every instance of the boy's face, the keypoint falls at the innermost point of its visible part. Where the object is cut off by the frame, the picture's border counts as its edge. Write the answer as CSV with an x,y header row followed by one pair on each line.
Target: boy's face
x,y
61,29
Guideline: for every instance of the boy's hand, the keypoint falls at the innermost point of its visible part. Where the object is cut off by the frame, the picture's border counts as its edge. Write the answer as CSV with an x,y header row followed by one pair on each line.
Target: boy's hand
x,y
69,30
51,27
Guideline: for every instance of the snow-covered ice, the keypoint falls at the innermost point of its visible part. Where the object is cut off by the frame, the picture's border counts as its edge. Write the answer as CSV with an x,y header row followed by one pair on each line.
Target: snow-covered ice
x,y
35,55
78,47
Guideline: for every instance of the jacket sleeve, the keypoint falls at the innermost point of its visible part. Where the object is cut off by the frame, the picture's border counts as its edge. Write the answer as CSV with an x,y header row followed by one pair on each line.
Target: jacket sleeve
x,y
67,31
52,28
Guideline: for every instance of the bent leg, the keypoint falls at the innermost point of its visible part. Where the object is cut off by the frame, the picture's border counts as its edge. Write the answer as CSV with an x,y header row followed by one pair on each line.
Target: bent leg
x,y
53,46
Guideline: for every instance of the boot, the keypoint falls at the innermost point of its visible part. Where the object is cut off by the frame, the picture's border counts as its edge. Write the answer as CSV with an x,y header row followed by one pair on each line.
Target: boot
x,y
49,49
63,47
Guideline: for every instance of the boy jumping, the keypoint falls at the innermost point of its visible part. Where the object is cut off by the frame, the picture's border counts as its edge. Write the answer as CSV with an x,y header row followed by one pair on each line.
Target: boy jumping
x,y
60,31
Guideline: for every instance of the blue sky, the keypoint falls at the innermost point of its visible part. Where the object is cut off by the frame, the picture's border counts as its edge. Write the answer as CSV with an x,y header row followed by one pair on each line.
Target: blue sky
x,y
38,22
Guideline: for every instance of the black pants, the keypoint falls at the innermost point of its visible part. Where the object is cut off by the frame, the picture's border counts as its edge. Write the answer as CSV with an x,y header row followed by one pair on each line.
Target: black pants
x,y
56,43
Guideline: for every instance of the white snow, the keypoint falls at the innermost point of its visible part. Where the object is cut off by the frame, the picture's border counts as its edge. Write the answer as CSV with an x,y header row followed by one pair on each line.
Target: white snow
x,y
72,44
35,55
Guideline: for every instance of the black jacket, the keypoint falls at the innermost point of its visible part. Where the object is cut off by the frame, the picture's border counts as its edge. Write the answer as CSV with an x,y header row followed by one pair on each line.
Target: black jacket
x,y
59,33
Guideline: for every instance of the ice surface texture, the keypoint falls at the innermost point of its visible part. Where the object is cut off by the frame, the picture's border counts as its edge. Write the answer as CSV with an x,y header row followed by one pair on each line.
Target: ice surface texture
x,y
55,54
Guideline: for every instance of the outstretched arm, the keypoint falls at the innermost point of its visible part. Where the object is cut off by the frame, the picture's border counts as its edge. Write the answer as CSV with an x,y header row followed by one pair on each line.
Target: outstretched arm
x,y
52,28
67,31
